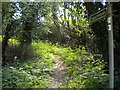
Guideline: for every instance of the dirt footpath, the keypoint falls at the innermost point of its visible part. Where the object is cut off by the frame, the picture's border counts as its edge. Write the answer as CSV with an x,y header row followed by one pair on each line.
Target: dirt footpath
x,y
59,73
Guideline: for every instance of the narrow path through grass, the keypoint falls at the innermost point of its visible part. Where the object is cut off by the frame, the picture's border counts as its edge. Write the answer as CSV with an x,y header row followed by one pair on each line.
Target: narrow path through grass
x,y
59,73
56,67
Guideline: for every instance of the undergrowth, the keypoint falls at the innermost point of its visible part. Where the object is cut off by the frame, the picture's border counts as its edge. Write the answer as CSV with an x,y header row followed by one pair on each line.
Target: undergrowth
x,y
83,70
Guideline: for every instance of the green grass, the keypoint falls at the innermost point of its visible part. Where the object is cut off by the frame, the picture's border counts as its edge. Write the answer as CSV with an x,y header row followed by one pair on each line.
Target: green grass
x,y
83,70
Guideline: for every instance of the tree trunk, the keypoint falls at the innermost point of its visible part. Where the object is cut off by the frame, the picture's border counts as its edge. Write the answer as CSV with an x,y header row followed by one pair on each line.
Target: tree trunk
x,y
7,36
4,46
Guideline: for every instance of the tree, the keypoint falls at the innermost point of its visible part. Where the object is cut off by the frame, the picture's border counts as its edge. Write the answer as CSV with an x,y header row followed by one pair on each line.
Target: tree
x,y
9,25
57,22
101,32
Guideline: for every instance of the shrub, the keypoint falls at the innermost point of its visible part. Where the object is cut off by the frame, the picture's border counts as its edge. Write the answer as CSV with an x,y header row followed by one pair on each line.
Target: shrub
x,y
84,71
117,78
30,75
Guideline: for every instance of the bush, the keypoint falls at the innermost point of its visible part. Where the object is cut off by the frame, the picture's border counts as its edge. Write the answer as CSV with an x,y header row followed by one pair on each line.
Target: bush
x,y
15,52
84,71
30,75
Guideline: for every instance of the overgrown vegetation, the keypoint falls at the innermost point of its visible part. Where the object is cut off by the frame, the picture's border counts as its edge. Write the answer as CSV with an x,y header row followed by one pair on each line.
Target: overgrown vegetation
x,y
33,33
31,74
37,73
83,69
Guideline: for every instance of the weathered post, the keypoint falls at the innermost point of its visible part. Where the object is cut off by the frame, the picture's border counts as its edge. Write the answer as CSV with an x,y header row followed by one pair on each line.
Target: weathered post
x,y
96,17
111,48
